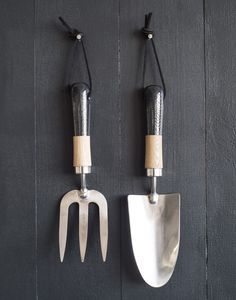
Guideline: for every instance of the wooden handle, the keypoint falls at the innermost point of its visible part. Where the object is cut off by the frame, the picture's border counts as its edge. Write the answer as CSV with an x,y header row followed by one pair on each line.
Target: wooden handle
x,y
82,152
153,155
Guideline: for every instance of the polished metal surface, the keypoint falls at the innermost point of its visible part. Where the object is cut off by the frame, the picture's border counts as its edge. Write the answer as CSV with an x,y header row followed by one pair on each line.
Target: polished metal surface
x,y
153,197
155,235
77,196
84,170
154,172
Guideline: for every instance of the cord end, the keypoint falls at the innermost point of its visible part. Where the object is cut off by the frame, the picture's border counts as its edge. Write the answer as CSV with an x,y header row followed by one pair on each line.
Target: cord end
x,y
148,33
73,33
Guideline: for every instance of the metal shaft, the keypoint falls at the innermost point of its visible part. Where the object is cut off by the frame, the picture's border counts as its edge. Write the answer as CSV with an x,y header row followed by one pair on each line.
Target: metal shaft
x,y
83,185
153,197
154,185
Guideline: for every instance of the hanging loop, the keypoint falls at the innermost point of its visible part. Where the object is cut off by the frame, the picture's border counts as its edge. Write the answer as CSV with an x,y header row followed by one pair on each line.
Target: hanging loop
x,y
78,36
149,34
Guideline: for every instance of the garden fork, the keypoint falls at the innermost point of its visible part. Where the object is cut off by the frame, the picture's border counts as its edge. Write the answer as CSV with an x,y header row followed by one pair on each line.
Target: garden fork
x,y
82,164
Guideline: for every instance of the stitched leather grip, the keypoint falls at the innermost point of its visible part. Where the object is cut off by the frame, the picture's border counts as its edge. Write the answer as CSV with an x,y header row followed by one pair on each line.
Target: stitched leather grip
x,y
153,96
81,109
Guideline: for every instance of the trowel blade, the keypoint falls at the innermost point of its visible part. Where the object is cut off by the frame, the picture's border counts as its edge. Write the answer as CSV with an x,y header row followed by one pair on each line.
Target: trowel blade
x,y
155,236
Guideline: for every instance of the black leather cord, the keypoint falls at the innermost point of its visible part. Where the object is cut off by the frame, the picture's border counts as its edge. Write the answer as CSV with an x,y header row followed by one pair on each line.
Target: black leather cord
x,y
149,33
78,36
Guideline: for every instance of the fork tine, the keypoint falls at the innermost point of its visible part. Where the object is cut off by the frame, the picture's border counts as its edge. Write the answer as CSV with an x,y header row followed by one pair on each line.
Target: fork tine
x,y
103,219
66,201
63,224
83,227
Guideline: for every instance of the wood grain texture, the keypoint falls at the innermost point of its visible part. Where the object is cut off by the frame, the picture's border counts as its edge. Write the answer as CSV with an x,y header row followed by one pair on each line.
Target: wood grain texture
x,y
81,151
153,152
179,37
17,152
220,145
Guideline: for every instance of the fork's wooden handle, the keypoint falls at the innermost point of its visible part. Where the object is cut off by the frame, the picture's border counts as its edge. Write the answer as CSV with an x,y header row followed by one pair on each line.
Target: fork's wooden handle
x,y
82,152
153,96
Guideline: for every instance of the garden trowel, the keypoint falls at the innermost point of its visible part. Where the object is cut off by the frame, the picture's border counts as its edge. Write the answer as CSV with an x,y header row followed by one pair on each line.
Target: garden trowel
x,y
154,218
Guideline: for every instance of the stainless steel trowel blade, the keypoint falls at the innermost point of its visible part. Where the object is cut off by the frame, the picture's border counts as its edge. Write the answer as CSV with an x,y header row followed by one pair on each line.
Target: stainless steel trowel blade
x,y
155,236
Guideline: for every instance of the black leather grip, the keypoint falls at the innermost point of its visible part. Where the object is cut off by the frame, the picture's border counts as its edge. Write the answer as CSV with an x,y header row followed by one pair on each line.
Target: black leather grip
x,y
153,96
81,109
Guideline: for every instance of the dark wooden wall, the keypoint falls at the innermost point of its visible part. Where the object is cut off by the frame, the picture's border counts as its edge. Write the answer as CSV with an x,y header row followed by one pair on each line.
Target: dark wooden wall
x,y
196,41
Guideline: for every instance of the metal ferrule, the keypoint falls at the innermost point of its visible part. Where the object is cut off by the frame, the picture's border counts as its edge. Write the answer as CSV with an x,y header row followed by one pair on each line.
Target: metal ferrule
x,y
83,170
154,172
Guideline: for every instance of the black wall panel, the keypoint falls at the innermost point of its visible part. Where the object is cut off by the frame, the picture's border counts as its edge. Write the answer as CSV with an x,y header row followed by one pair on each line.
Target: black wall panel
x,y
17,152
195,42
220,145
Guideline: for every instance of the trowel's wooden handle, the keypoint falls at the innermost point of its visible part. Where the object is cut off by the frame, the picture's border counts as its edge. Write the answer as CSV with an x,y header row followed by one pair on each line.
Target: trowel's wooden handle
x,y
82,152
81,116
153,152
153,96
